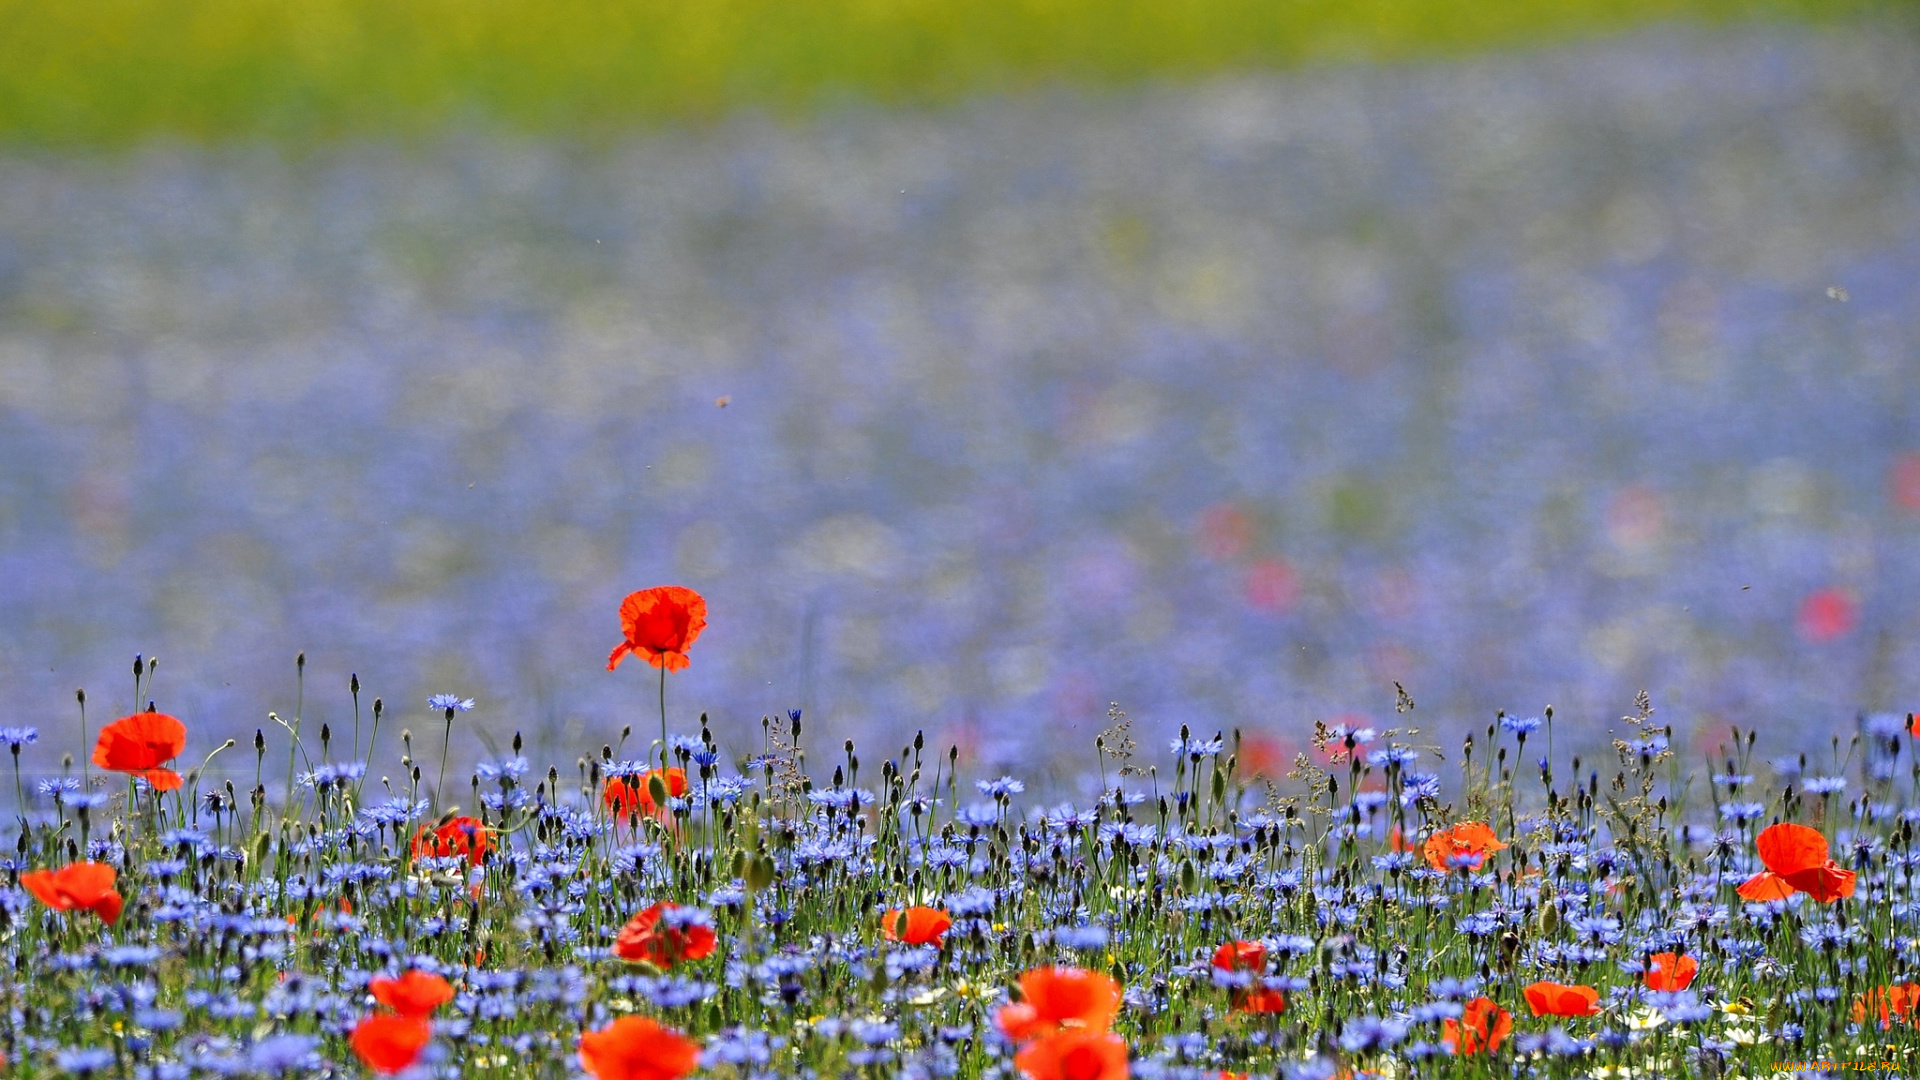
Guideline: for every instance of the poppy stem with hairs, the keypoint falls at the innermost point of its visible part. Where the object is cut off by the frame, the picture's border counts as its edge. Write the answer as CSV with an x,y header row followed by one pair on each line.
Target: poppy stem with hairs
x,y
663,718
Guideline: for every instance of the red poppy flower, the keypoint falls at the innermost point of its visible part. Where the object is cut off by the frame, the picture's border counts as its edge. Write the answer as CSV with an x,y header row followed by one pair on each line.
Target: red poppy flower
x,y
1796,861
660,623
626,794
645,939
389,1043
1556,999
1053,999
463,837
83,886
1075,1055
1241,956
1668,972
637,1048
1249,956
1891,1002
415,994
1259,999
1263,756
1480,1029
1827,614
915,925
1465,845
141,744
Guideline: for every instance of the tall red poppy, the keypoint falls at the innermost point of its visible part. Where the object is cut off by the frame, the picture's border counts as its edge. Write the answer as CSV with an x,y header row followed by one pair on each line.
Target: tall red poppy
x,y
660,623
1249,956
141,745
1796,861
462,837
1481,1028
389,1043
1895,1002
85,886
415,994
1075,1055
1241,956
1055,999
645,938
1557,999
915,925
1669,972
624,795
1465,845
637,1048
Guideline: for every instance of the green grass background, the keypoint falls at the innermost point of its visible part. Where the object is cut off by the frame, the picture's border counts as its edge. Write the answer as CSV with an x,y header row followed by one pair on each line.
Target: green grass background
x,y
106,72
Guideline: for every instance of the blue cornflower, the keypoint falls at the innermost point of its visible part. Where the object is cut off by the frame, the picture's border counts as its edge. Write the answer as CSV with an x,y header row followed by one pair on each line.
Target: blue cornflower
x,y
1198,747
1394,755
1824,785
333,773
1435,1010
1081,937
1365,1034
16,737
1313,1068
84,1060
739,1046
282,1053
510,769
1554,1043
875,1033
443,702
970,903
674,992
981,814
1001,788
1417,786
1522,726
841,798
1742,811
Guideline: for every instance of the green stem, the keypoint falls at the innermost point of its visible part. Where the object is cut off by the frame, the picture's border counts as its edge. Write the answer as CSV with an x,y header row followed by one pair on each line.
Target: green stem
x,y
444,742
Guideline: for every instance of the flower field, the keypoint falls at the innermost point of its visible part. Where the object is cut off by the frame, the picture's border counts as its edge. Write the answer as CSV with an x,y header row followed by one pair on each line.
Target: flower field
x,y
805,907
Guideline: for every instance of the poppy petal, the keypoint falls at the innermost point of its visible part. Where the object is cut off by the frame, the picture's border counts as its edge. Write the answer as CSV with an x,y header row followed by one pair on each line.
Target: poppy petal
x,y
1787,848
1765,885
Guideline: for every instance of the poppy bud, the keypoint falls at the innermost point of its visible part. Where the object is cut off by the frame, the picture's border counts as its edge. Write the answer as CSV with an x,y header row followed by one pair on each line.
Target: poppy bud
x,y
657,789
353,683
759,873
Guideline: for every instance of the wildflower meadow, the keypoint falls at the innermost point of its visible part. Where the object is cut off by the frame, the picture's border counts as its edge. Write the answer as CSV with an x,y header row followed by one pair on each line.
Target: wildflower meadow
x,y
666,906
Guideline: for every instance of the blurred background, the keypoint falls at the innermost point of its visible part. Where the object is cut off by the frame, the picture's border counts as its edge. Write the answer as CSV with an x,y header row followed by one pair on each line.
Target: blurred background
x,y
981,364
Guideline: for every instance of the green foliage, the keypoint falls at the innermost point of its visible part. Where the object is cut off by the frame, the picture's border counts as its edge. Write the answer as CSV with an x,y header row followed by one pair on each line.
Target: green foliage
x,y
107,72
